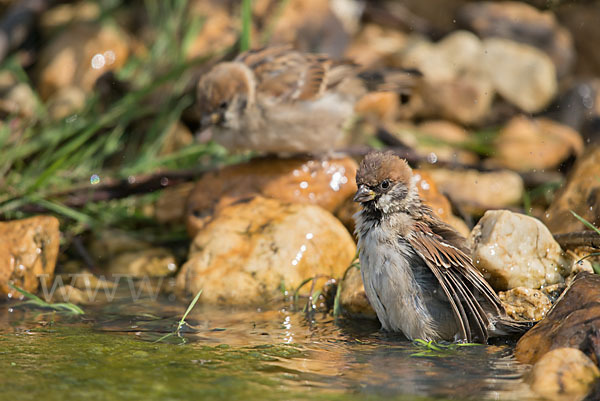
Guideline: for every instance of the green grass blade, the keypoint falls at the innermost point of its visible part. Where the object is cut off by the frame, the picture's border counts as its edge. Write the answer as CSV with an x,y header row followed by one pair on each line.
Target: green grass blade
x,y
188,310
246,25
586,223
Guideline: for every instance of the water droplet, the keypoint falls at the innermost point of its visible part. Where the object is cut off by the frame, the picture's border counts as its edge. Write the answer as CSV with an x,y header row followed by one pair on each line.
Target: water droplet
x,y
304,185
432,158
309,236
98,61
94,179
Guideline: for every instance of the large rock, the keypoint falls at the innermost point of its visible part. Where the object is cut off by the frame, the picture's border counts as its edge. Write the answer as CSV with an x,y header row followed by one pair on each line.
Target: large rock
x,y
477,191
526,144
522,74
253,247
580,194
515,250
326,183
79,55
28,252
455,85
522,23
563,374
573,322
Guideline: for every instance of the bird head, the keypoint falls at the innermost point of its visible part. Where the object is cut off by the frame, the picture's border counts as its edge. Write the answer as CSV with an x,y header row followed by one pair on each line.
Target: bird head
x,y
385,183
225,91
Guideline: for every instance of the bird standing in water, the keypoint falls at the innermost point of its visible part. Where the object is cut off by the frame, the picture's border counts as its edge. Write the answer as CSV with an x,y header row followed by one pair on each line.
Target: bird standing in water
x,y
280,100
417,270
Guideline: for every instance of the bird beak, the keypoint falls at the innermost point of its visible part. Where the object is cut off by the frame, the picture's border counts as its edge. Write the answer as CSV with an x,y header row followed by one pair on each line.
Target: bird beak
x,y
364,194
211,119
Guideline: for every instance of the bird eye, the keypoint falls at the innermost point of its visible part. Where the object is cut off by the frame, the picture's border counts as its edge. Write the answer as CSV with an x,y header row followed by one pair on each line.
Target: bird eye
x,y
385,184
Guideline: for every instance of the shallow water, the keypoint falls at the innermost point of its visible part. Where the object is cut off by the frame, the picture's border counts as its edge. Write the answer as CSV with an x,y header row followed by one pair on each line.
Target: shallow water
x,y
271,354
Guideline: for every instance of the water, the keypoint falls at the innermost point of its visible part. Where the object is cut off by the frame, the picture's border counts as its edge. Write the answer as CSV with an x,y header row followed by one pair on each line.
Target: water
x,y
228,354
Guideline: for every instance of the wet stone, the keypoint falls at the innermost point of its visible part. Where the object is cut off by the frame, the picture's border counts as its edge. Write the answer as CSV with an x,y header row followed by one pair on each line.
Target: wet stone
x,y
523,303
253,248
353,298
326,183
515,250
573,322
28,252
563,374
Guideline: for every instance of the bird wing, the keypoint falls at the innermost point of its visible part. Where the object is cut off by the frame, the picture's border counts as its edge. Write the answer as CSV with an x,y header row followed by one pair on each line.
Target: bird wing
x,y
290,75
463,285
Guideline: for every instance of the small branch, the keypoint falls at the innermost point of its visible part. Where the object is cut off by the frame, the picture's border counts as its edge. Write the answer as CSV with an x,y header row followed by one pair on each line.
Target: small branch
x,y
578,239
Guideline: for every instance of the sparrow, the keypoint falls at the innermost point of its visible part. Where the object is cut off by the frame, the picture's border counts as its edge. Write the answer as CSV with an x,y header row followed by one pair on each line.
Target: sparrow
x,y
417,270
280,100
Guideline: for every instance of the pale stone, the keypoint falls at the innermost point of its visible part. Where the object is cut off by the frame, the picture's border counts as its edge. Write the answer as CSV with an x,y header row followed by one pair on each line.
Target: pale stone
x,y
522,74
147,262
477,191
515,250
250,249
563,374
526,144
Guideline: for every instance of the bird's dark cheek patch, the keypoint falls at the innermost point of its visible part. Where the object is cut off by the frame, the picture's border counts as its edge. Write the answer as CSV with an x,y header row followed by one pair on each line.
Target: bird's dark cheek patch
x,y
398,193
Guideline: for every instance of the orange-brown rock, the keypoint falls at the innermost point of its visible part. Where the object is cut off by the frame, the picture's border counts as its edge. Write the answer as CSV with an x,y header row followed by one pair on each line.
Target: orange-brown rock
x,y
580,194
253,247
353,297
326,183
525,303
28,252
572,323
525,144
170,205
563,374
79,55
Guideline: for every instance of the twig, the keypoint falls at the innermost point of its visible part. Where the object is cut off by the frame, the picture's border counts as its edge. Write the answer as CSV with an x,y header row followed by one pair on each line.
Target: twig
x,y
578,239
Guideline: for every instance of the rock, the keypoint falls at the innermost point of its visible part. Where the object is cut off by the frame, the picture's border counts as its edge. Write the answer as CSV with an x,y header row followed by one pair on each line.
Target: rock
x,y
170,206
326,183
66,102
563,374
16,98
60,15
522,74
377,46
68,293
120,253
527,144
252,247
581,19
515,250
477,191
28,252
573,322
523,303
444,139
79,55
353,298
581,193
153,262
522,23
218,32
311,26
455,85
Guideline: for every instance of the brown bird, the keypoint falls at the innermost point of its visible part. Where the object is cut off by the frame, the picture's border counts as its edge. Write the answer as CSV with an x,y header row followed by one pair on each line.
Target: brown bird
x,y
416,269
279,100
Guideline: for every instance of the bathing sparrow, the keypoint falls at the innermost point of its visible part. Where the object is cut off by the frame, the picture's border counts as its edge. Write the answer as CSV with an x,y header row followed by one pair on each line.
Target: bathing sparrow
x,y
417,270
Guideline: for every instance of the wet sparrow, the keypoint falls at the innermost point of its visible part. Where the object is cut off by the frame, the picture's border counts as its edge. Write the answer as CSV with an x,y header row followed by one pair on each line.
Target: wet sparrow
x,y
279,100
417,272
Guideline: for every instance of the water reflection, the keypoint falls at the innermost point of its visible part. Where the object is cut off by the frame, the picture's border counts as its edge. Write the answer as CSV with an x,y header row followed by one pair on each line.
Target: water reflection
x,y
329,356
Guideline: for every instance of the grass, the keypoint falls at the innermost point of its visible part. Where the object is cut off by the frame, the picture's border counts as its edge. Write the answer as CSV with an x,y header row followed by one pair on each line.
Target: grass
x,y
40,303
41,157
438,350
182,322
